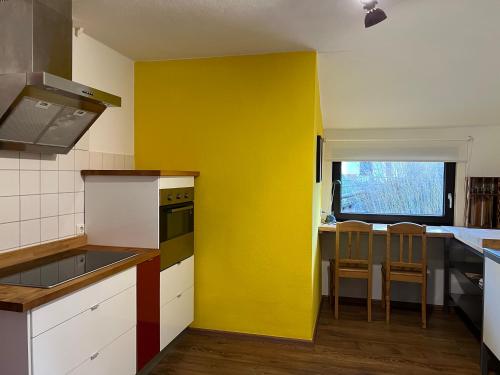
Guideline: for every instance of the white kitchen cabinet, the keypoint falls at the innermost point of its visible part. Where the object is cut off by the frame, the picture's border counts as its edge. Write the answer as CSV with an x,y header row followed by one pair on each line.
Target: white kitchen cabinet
x,y
176,300
51,314
491,328
70,343
116,358
65,334
176,316
176,279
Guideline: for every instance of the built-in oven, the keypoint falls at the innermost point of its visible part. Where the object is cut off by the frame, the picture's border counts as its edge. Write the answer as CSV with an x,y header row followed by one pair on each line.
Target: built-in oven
x,y
176,225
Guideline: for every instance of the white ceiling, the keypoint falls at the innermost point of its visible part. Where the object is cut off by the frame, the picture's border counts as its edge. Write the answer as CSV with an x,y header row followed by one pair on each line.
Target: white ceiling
x,y
432,63
172,29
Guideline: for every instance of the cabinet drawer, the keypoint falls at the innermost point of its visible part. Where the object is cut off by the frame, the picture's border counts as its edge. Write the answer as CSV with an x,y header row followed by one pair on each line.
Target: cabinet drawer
x,y
176,279
69,344
176,316
53,313
116,358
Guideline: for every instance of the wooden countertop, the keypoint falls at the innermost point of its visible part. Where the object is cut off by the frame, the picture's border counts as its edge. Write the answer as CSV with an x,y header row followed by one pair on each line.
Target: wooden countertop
x,y
432,231
21,298
138,172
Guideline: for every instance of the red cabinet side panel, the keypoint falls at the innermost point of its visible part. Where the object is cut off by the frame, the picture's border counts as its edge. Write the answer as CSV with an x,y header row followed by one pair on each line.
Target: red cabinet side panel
x,y
148,311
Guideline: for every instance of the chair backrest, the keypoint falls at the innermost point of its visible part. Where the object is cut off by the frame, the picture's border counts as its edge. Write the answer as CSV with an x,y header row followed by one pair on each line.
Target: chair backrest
x,y
354,229
409,230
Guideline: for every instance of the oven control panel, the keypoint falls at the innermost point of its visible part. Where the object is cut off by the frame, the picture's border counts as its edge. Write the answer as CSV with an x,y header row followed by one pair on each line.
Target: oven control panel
x,y
176,196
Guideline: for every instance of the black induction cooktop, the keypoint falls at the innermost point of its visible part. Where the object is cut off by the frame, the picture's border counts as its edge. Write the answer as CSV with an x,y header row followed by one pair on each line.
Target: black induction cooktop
x,y
53,270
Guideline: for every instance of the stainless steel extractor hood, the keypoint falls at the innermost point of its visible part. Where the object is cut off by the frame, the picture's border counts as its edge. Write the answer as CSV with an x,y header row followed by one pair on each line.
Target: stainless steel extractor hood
x,y
41,109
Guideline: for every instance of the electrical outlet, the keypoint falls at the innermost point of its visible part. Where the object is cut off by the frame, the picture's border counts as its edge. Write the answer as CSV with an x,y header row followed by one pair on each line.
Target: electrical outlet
x,y
80,228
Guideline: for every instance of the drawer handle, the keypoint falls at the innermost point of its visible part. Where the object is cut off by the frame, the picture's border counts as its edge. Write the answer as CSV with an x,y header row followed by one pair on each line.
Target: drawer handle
x,y
94,356
93,308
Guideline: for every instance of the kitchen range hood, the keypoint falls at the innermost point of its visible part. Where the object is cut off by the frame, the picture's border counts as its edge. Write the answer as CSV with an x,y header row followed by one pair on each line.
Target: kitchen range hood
x,y
41,109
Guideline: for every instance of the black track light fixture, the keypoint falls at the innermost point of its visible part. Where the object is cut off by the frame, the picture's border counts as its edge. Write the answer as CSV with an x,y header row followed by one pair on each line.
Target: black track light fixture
x,y
374,15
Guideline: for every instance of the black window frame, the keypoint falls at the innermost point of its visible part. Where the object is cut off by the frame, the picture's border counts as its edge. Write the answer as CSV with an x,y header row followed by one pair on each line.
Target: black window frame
x,y
447,219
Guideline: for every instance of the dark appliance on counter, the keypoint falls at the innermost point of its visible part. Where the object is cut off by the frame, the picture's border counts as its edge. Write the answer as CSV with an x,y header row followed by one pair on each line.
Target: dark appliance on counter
x,y
176,225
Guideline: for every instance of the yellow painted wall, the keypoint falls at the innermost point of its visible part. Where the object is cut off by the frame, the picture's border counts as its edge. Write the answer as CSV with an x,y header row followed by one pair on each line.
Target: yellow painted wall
x,y
316,215
248,125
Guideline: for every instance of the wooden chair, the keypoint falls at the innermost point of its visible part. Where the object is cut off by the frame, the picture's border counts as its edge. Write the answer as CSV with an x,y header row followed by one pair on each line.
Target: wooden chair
x,y
409,271
352,266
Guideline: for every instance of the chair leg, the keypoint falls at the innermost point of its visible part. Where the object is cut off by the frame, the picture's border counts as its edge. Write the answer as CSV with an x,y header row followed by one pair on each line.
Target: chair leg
x,y
331,286
337,292
387,299
383,290
369,299
424,303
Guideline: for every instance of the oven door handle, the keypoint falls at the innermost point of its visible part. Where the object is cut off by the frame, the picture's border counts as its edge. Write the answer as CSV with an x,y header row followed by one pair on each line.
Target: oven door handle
x,y
173,210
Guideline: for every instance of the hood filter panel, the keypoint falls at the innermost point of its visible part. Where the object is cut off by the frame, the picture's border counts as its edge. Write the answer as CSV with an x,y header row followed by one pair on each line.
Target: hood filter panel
x,y
28,120
38,122
66,127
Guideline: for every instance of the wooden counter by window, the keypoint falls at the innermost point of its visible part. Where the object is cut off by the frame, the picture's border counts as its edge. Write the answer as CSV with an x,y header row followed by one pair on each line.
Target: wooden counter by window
x,y
23,298
432,231
138,172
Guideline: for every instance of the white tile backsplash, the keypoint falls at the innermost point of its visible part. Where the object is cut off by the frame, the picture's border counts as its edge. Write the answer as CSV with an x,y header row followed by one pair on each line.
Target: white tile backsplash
x,y
30,232
49,162
49,228
49,182
119,162
42,196
9,236
66,203
82,160
49,205
96,160
9,182
108,161
66,226
79,181
66,181
29,161
79,202
9,209
9,159
30,207
29,182
67,162
129,162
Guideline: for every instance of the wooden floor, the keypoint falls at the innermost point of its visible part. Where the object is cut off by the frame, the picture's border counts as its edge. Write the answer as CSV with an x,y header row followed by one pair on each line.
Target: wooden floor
x,y
348,346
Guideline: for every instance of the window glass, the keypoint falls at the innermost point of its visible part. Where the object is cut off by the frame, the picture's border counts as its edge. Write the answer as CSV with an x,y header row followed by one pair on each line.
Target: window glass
x,y
393,188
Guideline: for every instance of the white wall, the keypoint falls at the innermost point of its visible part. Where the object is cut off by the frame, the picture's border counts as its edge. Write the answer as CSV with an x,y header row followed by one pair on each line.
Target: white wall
x,y
96,65
42,196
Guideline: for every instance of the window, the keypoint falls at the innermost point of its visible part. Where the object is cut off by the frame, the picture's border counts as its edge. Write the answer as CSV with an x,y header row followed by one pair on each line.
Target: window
x,y
390,192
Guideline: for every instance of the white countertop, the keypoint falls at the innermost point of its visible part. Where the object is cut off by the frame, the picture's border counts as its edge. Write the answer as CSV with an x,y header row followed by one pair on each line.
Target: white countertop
x,y
473,236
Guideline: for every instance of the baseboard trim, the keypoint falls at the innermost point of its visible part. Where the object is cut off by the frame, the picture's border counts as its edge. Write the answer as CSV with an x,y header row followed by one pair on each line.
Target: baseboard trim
x,y
251,336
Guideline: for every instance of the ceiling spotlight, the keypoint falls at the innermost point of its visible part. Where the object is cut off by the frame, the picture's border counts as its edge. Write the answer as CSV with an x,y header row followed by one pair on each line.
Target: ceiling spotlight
x,y
374,15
